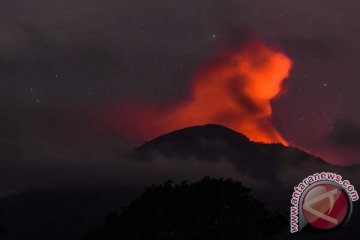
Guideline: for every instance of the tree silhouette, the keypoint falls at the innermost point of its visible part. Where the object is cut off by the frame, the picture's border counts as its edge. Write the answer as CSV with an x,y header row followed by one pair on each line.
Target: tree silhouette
x,y
207,209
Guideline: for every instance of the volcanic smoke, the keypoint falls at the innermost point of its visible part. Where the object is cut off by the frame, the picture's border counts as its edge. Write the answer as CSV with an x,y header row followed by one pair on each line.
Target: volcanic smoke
x,y
234,89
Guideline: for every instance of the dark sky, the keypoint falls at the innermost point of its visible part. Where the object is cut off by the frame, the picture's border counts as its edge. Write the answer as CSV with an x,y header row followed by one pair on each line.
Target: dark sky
x,y
63,61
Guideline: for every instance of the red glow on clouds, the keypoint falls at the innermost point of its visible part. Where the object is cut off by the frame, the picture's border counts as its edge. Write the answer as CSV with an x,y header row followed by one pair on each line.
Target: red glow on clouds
x,y
233,89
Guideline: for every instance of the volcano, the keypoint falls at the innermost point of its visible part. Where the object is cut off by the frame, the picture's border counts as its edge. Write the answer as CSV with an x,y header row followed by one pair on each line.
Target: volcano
x,y
272,162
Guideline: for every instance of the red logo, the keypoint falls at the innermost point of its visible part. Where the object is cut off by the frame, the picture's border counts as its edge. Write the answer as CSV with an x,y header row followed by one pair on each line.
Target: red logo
x,y
325,206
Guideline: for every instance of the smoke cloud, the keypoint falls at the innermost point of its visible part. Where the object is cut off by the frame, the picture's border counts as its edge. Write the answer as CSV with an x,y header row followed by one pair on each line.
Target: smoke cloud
x,y
233,89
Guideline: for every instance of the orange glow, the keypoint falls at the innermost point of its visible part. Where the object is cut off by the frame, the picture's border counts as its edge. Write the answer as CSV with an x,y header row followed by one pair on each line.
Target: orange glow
x,y
234,90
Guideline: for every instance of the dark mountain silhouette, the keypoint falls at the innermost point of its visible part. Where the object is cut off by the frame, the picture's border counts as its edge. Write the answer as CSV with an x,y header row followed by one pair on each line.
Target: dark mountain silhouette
x,y
213,142
275,163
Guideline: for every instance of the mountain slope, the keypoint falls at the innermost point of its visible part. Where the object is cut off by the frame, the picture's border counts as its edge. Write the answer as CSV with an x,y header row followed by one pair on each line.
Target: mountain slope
x,y
273,162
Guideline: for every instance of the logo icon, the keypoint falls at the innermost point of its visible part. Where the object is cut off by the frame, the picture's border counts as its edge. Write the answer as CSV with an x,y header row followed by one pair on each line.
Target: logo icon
x,y
325,206
321,201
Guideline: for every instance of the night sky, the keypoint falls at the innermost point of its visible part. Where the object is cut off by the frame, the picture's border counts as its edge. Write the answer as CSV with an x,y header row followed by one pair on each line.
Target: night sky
x,y
63,62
